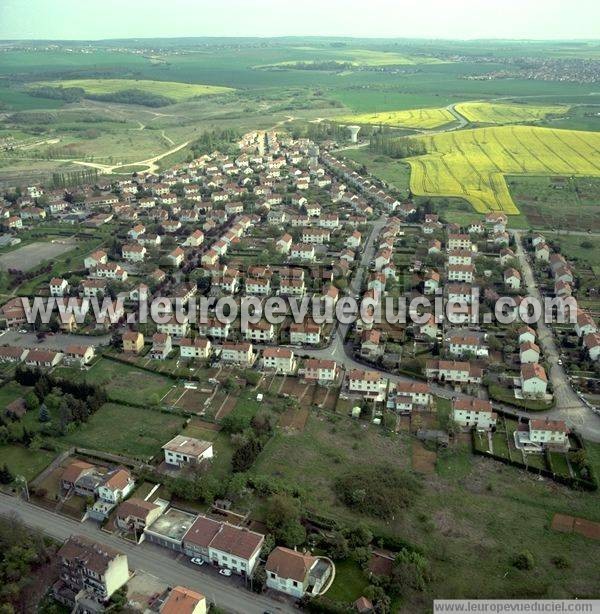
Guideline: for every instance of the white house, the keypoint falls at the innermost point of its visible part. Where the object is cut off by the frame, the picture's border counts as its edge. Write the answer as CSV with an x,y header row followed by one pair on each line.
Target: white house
x,y
59,286
368,383
237,353
320,370
296,573
200,347
116,485
529,352
308,333
183,450
280,360
533,380
473,412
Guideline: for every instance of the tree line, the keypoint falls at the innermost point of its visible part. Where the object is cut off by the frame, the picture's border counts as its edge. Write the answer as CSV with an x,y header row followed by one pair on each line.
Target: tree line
x,y
396,147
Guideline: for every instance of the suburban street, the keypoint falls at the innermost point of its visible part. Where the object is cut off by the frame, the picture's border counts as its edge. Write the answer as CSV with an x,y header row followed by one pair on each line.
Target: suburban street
x,y
159,562
568,406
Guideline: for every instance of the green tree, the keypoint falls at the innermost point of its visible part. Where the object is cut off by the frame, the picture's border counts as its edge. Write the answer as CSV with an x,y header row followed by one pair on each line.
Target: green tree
x,y
6,477
31,401
282,517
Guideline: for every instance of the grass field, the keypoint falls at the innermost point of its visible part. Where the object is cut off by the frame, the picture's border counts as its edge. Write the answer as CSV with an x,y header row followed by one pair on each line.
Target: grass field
x,y
131,431
471,164
122,382
557,202
506,113
22,461
411,118
171,89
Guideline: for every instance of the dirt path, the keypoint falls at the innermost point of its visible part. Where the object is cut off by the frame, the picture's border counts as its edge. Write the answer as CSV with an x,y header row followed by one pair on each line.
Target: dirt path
x,y
109,169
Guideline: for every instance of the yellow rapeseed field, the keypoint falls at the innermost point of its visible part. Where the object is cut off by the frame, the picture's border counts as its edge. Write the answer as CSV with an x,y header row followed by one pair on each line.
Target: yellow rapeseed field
x,y
411,118
501,113
471,164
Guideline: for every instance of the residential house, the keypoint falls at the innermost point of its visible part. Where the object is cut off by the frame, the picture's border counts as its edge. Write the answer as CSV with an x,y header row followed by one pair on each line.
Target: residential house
x,y
280,360
370,384
134,515
473,412
320,370
176,326
161,346
132,342
529,352
223,545
183,450
533,380
183,600
89,570
134,252
237,353
512,279
453,372
116,485
59,286
305,333
198,348
296,573
44,359
460,345
79,355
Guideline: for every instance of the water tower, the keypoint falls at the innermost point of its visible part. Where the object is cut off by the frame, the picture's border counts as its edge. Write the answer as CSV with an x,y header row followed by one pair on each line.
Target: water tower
x,y
353,133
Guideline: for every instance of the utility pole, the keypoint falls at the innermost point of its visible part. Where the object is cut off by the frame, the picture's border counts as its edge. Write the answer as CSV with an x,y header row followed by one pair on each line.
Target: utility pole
x,y
20,479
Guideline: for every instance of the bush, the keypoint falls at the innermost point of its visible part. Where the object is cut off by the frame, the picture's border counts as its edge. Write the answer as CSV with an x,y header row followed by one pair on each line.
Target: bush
x,y
524,560
380,490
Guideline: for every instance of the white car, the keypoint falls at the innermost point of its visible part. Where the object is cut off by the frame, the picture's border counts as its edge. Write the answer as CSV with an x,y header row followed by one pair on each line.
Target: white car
x,y
225,572
197,561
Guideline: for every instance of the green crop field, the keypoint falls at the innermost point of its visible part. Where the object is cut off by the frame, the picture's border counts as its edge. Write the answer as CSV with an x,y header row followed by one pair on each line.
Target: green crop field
x,y
411,118
503,113
471,164
171,89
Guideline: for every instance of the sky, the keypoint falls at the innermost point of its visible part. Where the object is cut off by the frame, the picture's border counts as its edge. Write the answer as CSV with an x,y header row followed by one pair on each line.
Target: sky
x,y
450,19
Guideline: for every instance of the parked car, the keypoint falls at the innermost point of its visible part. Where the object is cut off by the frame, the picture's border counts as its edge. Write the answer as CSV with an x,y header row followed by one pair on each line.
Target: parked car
x,y
225,572
197,561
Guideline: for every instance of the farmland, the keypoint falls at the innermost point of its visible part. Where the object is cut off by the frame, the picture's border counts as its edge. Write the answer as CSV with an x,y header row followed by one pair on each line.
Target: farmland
x,y
355,57
411,118
174,90
504,113
471,164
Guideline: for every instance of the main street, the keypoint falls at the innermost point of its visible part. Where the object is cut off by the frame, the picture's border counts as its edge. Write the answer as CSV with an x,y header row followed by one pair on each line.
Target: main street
x,y
160,562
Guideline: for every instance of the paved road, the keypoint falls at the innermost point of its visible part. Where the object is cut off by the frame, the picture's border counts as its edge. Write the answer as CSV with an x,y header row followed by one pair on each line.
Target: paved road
x,y
568,405
152,559
58,342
